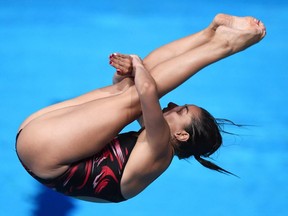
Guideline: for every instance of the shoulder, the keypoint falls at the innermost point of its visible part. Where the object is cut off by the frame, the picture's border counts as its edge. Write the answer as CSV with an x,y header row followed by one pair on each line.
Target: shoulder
x,y
143,167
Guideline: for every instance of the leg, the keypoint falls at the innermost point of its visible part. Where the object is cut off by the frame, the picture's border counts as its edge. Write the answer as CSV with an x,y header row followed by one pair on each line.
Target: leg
x,y
60,137
116,89
230,26
193,41
225,36
176,48
161,54
52,141
156,57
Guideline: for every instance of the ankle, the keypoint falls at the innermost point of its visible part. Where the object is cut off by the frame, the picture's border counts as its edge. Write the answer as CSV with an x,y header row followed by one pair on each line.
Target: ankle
x,y
207,34
223,47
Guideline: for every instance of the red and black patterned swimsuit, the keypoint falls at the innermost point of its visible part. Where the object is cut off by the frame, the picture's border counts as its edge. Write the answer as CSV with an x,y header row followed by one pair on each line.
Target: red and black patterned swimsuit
x,y
98,176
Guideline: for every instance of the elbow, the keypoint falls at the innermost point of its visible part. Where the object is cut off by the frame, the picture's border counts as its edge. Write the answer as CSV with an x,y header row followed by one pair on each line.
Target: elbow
x,y
147,88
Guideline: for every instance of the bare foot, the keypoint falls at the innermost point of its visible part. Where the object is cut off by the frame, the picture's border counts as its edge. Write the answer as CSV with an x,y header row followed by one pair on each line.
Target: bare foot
x,y
122,63
237,32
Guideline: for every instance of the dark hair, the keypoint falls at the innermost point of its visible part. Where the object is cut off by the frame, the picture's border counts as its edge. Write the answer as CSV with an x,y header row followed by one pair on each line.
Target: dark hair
x,y
205,138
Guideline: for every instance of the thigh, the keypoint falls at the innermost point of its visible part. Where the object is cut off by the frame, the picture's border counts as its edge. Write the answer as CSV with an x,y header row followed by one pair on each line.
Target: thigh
x,y
58,138
107,91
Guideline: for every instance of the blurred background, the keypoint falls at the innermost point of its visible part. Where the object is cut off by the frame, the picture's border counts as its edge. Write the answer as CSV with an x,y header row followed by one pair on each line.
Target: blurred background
x,y
54,50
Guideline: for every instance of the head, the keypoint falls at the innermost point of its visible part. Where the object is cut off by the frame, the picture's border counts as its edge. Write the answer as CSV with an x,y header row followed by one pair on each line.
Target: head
x,y
197,135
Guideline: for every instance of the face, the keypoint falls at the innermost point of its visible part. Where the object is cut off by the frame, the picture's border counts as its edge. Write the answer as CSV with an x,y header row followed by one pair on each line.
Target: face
x,y
178,117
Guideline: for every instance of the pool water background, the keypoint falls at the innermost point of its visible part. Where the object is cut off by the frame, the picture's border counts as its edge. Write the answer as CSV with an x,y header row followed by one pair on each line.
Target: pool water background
x,y
54,50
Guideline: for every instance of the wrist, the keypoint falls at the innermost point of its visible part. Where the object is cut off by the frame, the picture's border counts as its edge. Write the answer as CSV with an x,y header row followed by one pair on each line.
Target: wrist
x,y
117,78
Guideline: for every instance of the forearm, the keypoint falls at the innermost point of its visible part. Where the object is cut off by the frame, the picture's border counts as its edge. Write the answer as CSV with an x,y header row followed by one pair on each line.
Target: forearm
x,y
146,87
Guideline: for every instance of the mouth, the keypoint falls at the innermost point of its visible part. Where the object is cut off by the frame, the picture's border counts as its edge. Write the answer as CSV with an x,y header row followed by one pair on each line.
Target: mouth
x,y
165,109
169,107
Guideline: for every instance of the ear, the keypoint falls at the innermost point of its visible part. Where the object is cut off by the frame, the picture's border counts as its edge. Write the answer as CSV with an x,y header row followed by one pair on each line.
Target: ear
x,y
182,136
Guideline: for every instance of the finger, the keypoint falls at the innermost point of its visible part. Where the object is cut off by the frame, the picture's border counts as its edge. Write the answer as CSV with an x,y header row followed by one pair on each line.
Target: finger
x,y
122,56
119,72
115,56
115,62
122,72
126,69
121,62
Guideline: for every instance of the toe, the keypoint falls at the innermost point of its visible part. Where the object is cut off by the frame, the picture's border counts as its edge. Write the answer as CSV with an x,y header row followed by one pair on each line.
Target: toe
x,y
256,21
262,26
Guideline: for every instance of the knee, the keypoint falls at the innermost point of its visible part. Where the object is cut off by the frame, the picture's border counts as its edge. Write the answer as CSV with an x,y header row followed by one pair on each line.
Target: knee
x,y
124,85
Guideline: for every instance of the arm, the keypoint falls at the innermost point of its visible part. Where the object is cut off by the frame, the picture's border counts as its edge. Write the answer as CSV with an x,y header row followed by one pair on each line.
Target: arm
x,y
156,126
124,68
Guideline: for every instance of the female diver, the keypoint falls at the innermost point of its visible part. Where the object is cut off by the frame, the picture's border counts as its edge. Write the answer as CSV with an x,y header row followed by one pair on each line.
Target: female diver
x,y
75,147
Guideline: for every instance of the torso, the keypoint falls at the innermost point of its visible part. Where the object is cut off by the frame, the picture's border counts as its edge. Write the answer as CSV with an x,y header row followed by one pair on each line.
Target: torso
x,y
143,167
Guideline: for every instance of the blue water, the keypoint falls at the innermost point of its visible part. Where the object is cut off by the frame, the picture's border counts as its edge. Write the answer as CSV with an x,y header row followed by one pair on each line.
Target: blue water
x,y
54,50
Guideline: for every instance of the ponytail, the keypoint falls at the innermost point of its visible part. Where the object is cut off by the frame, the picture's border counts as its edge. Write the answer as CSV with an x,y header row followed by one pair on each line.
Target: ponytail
x,y
212,166
205,139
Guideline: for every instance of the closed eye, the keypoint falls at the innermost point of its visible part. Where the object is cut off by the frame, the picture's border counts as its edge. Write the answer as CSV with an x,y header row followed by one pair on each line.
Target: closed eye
x,y
179,111
183,109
